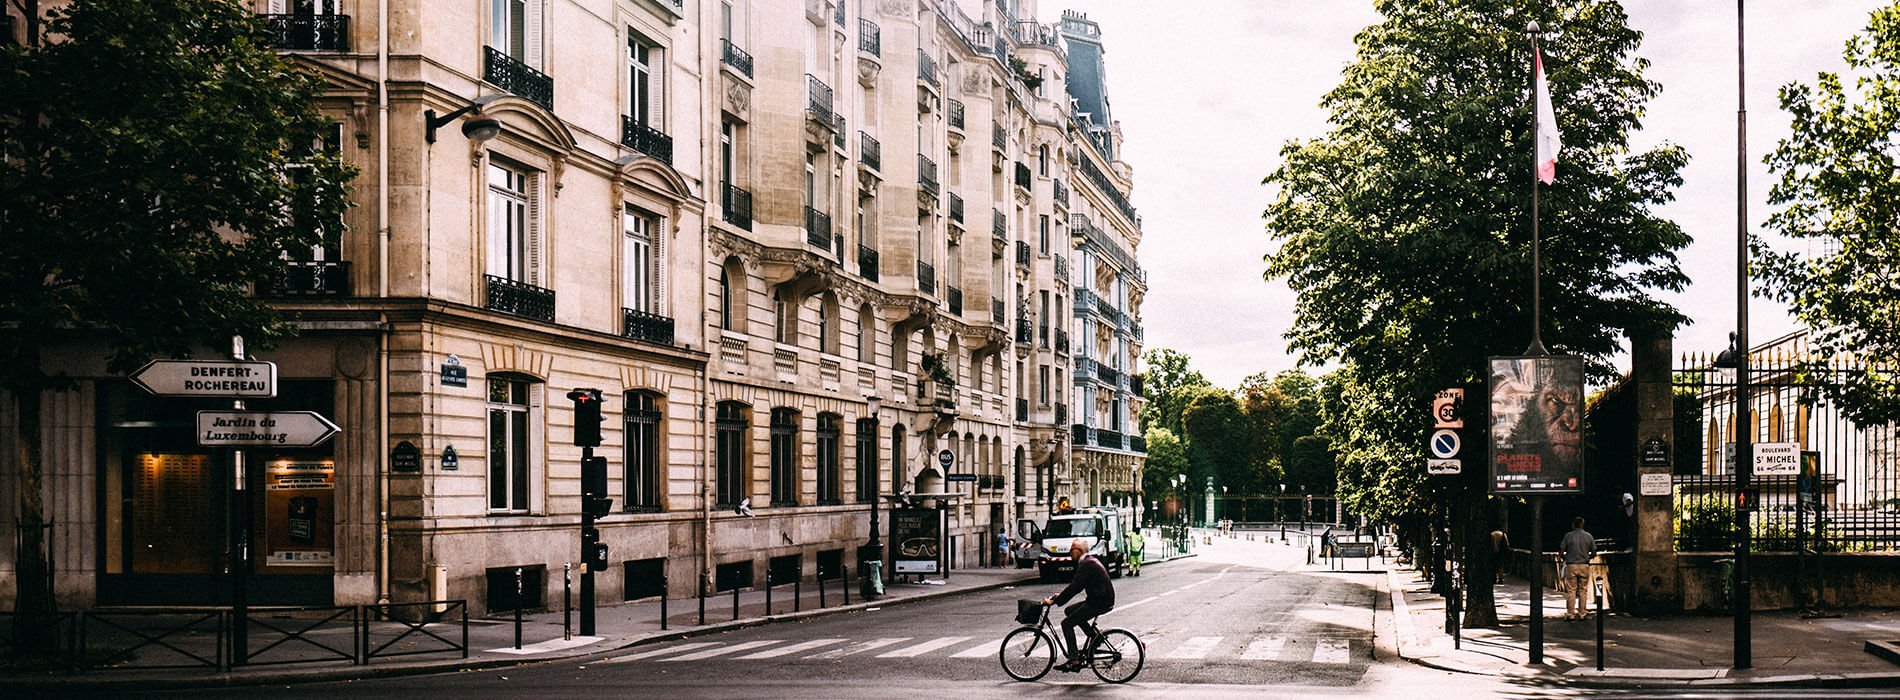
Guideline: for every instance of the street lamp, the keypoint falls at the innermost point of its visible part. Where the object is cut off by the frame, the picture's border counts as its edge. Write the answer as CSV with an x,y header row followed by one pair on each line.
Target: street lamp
x,y
873,550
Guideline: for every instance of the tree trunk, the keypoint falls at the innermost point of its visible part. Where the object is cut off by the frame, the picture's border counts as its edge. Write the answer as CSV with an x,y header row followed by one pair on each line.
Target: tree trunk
x,y
1481,565
33,579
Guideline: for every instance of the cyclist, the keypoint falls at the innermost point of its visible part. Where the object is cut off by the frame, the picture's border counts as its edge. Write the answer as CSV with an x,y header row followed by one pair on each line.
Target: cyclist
x,y
1090,577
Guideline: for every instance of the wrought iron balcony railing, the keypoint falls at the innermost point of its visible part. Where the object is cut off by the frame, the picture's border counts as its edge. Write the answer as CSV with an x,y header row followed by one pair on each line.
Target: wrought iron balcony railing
x,y
956,300
926,278
642,325
505,72
1061,192
1022,176
519,298
818,229
1062,267
300,32
1022,410
999,137
870,37
1108,374
927,68
1025,333
956,208
1082,434
1062,414
303,278
996,311
869,152
999,225
736,206
646,139
818,101
735,57
1138,443
1022,253
1135,385
927,174
867,263
1062,340
1111,439
955,112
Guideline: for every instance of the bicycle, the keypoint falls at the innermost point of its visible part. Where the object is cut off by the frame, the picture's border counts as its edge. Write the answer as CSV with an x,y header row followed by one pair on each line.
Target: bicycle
x,y
1029,651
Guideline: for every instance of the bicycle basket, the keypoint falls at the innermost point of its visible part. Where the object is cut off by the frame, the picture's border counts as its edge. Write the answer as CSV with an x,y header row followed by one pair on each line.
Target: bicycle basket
x,y
1028,611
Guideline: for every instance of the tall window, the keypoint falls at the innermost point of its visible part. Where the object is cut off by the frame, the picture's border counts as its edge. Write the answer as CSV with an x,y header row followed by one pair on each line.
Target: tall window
x,y
867,334
897,458
643,96
729,447
784,319
642,283
1042,234
1042,385
830,472
516,29
643,479
784,457
728,139
866,462
509,222
508,442
828,335
725,298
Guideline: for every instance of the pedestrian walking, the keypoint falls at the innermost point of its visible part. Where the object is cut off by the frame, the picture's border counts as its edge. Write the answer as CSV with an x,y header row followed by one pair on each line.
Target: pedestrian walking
x,y
1500,545
1002,548
1578,549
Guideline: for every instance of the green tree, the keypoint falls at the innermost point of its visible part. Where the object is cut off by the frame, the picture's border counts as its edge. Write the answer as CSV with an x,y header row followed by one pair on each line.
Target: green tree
x,y
1167,458
1405,230
1217,440
1840,189
1266,408
148,187
1170,384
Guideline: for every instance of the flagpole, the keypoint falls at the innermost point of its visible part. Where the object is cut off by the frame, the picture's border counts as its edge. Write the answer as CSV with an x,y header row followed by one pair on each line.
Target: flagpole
x,y
1537,280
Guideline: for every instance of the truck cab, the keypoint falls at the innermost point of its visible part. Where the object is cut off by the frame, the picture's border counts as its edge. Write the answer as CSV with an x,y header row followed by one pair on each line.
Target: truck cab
x,y
1102,531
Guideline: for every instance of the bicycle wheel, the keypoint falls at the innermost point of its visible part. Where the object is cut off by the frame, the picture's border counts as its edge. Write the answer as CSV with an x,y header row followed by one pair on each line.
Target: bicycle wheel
x,y
1118,656
1027,654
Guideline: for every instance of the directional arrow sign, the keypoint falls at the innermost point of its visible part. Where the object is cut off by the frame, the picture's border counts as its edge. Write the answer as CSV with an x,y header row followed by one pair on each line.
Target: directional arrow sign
x,y
271,428
225,378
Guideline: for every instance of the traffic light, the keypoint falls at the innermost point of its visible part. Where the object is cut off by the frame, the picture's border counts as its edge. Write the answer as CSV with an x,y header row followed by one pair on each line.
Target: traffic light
x,y
586,417
1748,499
594,500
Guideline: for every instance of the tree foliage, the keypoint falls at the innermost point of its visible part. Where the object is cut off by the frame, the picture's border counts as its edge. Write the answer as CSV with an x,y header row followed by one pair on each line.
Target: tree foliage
x,y
1170,384
1167,458
1218,436
1840,191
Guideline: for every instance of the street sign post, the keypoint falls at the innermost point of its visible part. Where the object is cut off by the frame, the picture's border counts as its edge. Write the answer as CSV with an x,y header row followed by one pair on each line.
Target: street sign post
x,y
267,428
237,379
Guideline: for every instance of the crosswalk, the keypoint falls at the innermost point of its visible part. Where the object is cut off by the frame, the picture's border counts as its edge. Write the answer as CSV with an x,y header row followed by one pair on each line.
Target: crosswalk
x,y
1278,648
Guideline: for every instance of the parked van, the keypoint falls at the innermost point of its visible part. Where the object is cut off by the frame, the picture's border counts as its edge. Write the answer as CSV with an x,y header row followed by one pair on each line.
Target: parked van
x,y
1103,531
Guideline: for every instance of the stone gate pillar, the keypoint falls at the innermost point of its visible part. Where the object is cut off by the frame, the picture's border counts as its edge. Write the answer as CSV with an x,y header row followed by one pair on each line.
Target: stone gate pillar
x,y
1658,585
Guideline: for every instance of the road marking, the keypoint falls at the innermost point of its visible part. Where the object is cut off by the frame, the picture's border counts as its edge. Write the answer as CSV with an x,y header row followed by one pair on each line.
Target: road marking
x,y
660,652
988,648
722,651
918,649
1332,651
547,646
1138,602
1195,648
793,649
857,648
1263,648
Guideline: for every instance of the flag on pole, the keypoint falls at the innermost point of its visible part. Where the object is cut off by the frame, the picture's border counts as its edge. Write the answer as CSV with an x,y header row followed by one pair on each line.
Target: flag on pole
x,y
1549,140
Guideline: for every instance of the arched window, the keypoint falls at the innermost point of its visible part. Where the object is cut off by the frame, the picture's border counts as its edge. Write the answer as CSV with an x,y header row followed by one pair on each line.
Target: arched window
x,y
733,300
644,480
731,422
828,322
867,335
830,473
784,433
784,319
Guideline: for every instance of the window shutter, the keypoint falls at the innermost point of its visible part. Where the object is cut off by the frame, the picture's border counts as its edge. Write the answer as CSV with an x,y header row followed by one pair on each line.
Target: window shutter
x,y
531,234
532,51
275,7
656,279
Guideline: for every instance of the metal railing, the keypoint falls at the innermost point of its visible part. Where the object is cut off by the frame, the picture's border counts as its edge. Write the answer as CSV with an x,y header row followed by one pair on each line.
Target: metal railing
x,y
306,278
955,112
926,278
956,208
149,638
1060,192
646,139
869,152
1025,332
1023,178
999,225
927,68
818,229
927,174
867,263
735,57
870,37
503,71
1022,253
294,32
1108,374
519,299
736,206
955,299
999,137
818,101
647,326
996,311
1062,341
1062,267
1111,439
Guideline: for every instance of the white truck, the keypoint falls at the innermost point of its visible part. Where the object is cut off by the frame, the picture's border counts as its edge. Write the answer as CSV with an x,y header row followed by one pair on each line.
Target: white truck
x,y
1103,531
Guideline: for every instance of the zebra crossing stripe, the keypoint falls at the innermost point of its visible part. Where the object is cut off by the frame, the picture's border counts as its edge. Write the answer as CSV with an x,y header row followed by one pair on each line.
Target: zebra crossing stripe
x,y
857,648
1263,648
988,648
793,649
920,649
724,650
1332,651
659,652
1194,648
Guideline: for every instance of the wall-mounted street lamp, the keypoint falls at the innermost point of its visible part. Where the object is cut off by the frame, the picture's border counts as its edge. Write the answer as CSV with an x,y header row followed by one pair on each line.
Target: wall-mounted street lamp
x,y
478,127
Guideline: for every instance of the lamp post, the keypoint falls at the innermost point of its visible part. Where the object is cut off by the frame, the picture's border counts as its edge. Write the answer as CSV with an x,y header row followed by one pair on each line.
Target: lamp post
x,y
873,550
1744,458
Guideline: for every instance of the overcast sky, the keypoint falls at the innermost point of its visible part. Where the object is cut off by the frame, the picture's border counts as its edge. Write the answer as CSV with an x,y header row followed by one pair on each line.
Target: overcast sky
x,y
1207,91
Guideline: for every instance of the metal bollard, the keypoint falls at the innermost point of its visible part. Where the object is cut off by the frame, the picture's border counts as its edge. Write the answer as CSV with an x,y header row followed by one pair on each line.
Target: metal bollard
x,y
702,598
768,592
735,601
567,600
1599,591
821,591
798,593
518,606
844,581
663,601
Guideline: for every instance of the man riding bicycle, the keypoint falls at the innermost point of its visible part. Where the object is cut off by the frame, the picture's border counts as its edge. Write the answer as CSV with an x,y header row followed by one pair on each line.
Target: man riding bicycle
x,y
1091,577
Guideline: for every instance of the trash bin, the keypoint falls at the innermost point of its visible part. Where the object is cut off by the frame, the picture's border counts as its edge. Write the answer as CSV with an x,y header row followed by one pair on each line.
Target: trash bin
x,y
873,573
1725,568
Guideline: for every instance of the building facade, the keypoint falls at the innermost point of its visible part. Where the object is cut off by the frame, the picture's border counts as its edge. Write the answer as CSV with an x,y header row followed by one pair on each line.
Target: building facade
x,y
820,257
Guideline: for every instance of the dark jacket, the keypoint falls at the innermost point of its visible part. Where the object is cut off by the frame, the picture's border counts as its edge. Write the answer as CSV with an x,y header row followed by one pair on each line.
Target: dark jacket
x,y
1092,577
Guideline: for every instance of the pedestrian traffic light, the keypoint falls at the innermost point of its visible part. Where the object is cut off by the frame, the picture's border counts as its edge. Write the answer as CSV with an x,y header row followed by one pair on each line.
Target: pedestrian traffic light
x,y
594,500
586,416
1748,499
597,558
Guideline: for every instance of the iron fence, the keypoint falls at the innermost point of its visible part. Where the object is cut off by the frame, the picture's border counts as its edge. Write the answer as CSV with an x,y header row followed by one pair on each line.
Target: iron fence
x,y
145,638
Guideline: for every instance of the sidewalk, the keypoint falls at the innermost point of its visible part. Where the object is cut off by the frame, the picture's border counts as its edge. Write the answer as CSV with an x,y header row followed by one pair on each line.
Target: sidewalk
x,y
1685,650
491,640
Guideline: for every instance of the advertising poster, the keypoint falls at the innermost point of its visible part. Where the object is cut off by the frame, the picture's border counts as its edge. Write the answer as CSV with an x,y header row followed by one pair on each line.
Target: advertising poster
x,y
299,513
917,539
1536,424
